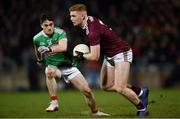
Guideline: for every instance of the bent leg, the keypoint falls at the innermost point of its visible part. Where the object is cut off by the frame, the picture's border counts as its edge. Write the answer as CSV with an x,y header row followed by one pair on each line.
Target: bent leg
x,y
122,70
106,77
80,83
51,81
52,88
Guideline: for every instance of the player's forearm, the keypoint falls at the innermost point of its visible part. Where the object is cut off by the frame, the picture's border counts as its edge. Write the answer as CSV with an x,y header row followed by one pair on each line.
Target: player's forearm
x,y
38,56
94,53
58,48
92,57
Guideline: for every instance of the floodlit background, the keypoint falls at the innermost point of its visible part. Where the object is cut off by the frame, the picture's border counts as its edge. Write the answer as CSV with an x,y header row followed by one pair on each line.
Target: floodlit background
x,y
151,27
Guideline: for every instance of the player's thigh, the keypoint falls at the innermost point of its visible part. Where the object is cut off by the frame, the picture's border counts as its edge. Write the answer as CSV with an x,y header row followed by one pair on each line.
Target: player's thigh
x,y
107,75
122,70
80,83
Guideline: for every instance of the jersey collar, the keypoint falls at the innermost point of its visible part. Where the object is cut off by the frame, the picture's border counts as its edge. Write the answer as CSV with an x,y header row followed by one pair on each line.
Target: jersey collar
x,y
85,23
44,33
47,35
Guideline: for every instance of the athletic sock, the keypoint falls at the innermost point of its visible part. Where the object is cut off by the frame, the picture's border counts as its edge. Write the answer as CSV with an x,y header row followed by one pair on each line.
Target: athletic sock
x,y
94,111
137,90
140,106
54,97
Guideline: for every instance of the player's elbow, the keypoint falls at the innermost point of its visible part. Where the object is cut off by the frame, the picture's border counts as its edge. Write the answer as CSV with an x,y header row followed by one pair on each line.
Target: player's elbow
x,y
64,48
95,58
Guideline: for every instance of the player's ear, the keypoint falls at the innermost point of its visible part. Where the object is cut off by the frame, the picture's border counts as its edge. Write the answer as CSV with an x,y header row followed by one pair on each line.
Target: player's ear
x,y
84,14
42,26
83,17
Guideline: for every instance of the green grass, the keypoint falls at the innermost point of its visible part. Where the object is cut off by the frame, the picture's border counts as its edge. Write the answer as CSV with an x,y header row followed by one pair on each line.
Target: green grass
x,y
163,103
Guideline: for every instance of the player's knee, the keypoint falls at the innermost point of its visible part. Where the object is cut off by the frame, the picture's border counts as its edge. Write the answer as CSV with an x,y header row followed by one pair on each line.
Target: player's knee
x,y
106,88
119,89
50,73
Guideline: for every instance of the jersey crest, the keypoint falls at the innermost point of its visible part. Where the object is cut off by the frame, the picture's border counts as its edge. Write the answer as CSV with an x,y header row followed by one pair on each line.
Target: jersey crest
x,y
49,42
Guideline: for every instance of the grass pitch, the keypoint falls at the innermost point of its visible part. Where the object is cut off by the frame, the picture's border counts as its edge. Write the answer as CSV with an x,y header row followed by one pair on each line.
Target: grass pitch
x,y
162,103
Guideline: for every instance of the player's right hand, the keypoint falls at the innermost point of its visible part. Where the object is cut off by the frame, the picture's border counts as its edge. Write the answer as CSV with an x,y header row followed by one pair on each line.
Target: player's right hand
x,y
44,49
79,57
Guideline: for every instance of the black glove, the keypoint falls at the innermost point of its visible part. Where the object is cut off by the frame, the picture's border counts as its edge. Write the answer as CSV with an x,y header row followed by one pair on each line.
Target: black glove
x,y
79,57
40,63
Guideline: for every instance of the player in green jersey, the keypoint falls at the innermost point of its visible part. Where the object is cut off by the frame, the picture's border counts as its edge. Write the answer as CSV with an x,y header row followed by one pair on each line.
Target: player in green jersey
x,y
51,48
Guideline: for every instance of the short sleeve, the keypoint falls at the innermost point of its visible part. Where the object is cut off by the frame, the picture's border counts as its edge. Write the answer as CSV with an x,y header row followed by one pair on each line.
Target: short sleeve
x,y
62,35
94,38
35,42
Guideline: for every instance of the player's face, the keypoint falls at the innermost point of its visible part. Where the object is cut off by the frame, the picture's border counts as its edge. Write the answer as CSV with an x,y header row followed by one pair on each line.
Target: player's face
x,y
48,27
76,18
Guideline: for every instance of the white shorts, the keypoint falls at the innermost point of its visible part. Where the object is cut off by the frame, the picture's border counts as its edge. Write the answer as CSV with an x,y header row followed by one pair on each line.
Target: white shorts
x,y
67,73
126,56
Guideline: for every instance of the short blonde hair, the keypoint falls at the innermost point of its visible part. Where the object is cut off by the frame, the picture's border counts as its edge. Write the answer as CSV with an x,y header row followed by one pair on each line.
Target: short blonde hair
x,y
78,7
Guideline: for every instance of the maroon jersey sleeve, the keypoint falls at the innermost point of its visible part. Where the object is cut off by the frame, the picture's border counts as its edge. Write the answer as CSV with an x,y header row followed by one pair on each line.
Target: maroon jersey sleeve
x,y
93,32
94,38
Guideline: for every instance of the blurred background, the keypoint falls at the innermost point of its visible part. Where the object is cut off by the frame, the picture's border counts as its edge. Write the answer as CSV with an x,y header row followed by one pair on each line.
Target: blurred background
x,y
151,27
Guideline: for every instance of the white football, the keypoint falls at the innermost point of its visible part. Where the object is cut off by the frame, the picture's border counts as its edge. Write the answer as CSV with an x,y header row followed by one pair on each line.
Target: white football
x,y
81,48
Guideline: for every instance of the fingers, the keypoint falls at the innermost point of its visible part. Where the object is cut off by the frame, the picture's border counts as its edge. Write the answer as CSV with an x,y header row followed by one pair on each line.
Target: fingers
x,y
79,57
43,49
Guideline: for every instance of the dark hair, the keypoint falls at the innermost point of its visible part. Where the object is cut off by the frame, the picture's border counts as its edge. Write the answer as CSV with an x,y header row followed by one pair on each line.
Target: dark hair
x,y
45,16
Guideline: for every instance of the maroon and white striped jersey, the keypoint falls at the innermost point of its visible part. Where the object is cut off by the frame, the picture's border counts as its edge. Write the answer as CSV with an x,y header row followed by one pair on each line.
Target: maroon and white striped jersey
x,y
99,33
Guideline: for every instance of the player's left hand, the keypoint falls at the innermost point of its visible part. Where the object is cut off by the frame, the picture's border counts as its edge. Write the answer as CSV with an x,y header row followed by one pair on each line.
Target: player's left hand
x,y
80,56
44,49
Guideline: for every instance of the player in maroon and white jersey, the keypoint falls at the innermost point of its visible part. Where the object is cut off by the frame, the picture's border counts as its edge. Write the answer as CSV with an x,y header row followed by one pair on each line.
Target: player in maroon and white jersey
x,y
117,57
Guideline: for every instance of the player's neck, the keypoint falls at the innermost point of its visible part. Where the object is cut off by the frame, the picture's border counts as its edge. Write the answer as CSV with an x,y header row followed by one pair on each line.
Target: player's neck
x,y
84,23
51,35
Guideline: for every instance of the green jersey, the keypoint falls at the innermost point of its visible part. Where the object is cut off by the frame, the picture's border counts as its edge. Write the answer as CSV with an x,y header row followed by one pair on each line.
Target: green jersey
x,y
60,59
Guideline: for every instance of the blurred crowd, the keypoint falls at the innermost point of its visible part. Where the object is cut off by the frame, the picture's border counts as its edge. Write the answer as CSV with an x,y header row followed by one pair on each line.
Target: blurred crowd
x,y
152,27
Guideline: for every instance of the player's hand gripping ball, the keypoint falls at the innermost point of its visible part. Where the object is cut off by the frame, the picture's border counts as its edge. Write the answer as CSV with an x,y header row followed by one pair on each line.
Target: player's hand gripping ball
x,y
83,48
79,50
